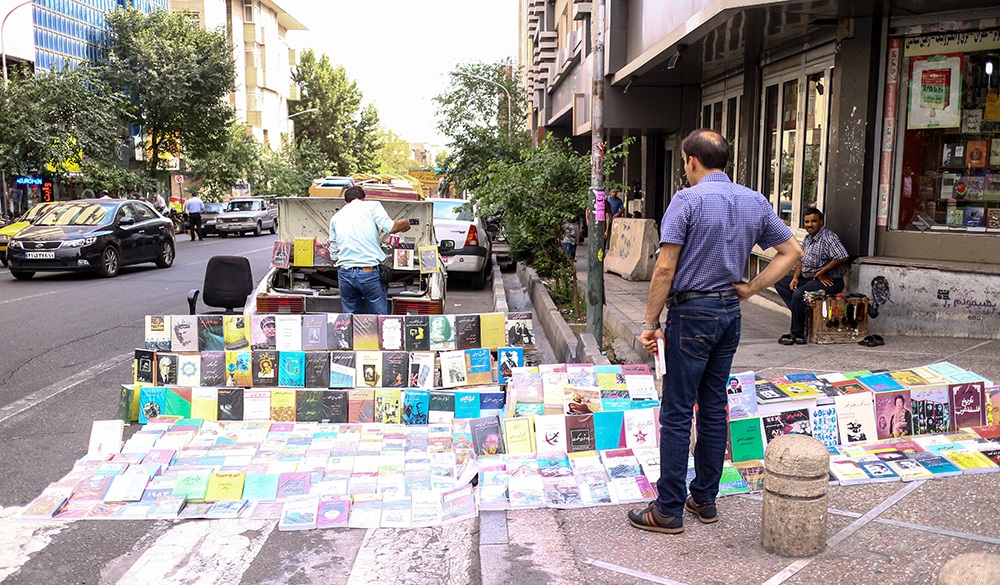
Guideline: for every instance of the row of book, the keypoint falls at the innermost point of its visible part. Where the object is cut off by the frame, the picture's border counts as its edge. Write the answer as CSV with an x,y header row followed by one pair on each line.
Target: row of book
x,y
335,331
579,388
306,252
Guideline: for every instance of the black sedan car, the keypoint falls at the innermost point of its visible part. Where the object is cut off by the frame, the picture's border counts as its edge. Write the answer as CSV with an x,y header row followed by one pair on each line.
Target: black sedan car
x,y
99,235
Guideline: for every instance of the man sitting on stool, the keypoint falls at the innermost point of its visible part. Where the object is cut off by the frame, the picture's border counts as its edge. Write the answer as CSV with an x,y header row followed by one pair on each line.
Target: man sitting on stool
x,y
821,268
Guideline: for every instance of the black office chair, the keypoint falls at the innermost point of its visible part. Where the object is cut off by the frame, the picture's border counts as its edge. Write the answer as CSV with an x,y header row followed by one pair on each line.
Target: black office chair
x,y
228,283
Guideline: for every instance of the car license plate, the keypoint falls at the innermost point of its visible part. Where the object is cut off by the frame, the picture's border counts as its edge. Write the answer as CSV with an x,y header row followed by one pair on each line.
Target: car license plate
x,y
39,255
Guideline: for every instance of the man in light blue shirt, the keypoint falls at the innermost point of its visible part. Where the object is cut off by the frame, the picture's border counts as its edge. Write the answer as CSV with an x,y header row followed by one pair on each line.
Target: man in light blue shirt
x,y
355,243
194,208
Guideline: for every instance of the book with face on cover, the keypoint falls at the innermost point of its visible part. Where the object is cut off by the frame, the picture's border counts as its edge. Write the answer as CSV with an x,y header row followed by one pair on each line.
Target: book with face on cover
x,y
166,368
262,332
453,369
742,394
142,368
317,369
314,332
388,406
210,333
235,332
288,332
442,332
238,369
339,331
365,332
416,406
183,333
520,331
508,358
893,414
157,332
368,369
152,401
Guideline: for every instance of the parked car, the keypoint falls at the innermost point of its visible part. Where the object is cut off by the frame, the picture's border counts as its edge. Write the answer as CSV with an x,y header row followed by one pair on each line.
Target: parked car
x,y
247,215
11,229
210,219
99,235
463,241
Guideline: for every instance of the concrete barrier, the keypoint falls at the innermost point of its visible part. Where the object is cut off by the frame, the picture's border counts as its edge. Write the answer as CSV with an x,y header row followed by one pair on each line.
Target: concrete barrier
x,y
633,245
971,569
796,470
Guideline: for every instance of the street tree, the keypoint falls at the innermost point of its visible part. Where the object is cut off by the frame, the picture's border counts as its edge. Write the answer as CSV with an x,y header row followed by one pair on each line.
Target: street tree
x,y
393,154
235,161
288,172
473,114
343,129
176,76
54,120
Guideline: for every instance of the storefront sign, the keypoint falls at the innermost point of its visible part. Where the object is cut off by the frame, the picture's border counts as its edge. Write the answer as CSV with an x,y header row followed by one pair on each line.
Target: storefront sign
x,y
935,92
29,181
959,42
890,111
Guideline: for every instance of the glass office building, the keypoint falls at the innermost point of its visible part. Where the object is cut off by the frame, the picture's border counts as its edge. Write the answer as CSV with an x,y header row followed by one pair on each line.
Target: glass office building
x,y
68,32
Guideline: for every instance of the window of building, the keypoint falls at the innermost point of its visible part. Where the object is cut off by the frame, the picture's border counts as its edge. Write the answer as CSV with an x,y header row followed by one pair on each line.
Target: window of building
x,y
720,112
947,172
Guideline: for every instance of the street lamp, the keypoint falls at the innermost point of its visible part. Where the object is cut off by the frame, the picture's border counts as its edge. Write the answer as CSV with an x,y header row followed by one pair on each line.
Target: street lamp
x,y
457,73
284,123
4,207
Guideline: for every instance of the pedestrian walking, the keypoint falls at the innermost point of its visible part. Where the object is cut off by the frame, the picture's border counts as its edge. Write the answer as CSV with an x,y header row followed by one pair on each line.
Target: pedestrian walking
x,y
706,237
194,208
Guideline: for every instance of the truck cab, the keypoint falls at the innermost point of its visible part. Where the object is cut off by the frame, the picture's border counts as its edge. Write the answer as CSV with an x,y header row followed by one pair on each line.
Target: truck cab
x,y
301,288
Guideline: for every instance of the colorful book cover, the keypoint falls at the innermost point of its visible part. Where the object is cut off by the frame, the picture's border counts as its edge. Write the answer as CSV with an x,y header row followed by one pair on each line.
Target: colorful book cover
x,y
402,259
192,484
387,406
321,252
293,484
317,369
299,512
368,369
260,486
416,333
416,406
225,486
152,402
442,407
880,383
893,414
580,433
366,511
768,392
365,332
281,254
732,482
492,400
799,391
309,405
824,425
429,259
479,366
288,332
493,484
525,384
847,471
157,332
302,251
213,368
292,369
262,332
339,331
967,405
230,403
467,335
453,368
936,464
235,332
492,333
177,402
850,386
487,439
520,331
421,370
609,429
801,377
518,435
877,470
467,404
333,511
525,485
508,358
442,332
256,404
908,378
189,369
390,332
210,333
314,332
550,434
342,370
641,428
360,405
335,406
166,369
395,365
746,440
184,333
238,369
283,405
205,403
742,395
856,417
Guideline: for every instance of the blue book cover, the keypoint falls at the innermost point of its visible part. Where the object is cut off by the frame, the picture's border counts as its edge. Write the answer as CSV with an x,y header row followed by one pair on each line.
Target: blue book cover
x,y
617,403
479,366
806,377
292,369
467,404
608,428
507,359
881,383
152,402
342,372
416,405
645,404
491,400
261,487
529,408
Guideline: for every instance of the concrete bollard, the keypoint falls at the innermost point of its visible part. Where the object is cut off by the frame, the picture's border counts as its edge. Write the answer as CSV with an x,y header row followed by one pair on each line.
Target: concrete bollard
x,y
971,569
796,481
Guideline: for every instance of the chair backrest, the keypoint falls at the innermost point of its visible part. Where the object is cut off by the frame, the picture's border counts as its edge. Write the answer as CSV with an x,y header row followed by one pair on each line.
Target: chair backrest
x,y
228,282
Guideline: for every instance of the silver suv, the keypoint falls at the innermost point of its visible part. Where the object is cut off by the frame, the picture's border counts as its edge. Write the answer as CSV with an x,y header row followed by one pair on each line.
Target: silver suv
x,y
247,215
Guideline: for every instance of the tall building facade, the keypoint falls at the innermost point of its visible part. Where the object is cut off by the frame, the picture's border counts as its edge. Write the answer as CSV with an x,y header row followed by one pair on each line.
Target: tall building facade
x,y
884,115
264,60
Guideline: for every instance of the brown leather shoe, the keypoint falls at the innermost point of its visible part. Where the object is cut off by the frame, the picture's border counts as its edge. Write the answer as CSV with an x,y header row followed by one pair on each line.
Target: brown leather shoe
x,y
706,513
650,518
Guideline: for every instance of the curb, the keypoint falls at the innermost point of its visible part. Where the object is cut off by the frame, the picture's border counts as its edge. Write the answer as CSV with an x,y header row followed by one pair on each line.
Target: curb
x,y
499,294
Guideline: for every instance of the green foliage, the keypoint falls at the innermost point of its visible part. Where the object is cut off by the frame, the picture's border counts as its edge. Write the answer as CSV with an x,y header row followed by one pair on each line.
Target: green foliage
x,y
393,154
57,118
343,130
289,172
176,75
237,159
472,113
117,179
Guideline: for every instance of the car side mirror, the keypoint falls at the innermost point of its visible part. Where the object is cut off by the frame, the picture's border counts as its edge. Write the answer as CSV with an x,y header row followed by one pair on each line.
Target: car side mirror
x,y
126,221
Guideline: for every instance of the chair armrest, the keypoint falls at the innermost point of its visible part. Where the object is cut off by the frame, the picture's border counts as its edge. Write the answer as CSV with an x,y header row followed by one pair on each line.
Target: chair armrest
x,y
193,301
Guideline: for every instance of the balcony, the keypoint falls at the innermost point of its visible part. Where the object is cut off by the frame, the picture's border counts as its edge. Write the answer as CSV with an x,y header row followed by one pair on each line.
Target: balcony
x,y
253,33
293,58
294,93
255,118
255,76
582,9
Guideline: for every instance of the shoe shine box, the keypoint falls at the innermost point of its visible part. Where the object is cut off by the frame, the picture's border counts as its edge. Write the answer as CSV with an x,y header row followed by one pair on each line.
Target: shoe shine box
x,y
836,320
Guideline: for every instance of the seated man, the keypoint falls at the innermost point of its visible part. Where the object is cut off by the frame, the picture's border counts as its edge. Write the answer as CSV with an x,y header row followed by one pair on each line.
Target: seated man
x,y
821,268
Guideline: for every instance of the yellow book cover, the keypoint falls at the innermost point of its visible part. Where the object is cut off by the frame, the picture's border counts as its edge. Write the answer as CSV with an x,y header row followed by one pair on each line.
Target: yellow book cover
x,y
205,403
225,486
799,391
492,330
368,369
238,373
387,406
283,404
519,435
236,332
970,461
429,259
303,251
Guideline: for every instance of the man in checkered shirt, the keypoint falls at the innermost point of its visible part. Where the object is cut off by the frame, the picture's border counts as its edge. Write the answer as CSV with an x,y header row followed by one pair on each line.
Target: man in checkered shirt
x,y
821,268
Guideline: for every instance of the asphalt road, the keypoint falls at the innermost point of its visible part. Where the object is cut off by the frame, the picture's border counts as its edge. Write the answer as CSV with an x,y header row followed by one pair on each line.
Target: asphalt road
x,y
68,342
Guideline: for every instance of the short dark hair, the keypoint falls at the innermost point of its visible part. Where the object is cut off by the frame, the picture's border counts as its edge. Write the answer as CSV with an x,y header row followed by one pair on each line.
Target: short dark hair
x,y
708,146
813,211
900,398
353,192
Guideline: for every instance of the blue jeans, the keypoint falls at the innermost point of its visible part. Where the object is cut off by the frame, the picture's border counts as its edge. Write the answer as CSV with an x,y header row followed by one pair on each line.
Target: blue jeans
x,y
362,292
794,298
701,339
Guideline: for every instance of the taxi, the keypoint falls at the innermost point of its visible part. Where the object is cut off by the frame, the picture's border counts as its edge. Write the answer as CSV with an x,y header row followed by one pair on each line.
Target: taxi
x,y
10,230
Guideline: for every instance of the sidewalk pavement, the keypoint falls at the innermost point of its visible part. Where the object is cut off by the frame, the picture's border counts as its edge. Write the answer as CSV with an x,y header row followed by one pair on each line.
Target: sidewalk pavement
x,y
888,533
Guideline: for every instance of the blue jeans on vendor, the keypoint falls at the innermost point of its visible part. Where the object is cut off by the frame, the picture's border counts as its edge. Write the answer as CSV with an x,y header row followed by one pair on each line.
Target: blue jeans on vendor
x,y
361,291
701,339
795,302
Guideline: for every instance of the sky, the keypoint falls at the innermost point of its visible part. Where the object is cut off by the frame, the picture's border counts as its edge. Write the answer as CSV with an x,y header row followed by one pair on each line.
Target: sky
x,y
400,51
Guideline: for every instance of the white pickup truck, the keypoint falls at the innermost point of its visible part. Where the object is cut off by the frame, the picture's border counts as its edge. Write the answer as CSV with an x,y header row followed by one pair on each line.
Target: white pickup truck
x,y
247,215
313,289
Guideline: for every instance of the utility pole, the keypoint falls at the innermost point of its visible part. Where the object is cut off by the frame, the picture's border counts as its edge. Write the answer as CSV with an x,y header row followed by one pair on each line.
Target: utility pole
x,y
596,216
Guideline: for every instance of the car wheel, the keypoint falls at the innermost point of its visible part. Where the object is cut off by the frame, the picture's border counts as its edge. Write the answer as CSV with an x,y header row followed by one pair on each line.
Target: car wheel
x,y
166,257
223,235
257,230
273,229
478,279
21,274
3,259
110,262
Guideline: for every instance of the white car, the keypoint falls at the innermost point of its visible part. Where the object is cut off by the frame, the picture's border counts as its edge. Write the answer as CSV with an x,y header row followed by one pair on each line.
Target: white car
x,y
247,215
463,241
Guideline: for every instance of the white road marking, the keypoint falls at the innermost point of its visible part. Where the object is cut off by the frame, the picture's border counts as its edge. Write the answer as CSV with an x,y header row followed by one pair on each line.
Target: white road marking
x,y
14,300
637,574
35,398
201,552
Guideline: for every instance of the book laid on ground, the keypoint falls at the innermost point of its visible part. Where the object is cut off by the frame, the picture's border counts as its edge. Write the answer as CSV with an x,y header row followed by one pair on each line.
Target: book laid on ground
x,y
856,417
299,513
847,471
742,395
732,482
877,470
936,464
931,409
893,414
906,468
225,486
487,438
641,428
769,392
105,438
550,434
967,405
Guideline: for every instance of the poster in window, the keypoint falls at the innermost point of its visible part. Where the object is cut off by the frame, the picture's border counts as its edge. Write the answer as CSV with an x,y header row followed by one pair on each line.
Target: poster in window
x,y
976,152
953,154
935,98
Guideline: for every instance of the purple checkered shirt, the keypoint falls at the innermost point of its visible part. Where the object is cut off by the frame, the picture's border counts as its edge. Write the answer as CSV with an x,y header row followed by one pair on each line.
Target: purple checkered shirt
x,y
718,222
820,250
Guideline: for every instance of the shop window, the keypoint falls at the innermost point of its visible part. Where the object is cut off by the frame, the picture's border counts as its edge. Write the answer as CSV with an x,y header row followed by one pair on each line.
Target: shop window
x,y
948,170
721,113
